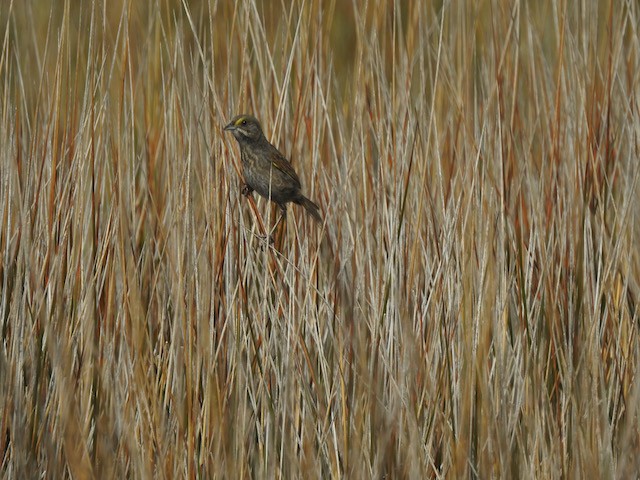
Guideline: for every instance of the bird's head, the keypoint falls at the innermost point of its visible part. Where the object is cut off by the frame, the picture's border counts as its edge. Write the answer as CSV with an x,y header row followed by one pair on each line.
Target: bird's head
x,y
245,128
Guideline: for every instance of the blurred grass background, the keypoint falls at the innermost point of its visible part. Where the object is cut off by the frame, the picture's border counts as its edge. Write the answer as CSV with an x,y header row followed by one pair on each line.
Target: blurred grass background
x,y
468,309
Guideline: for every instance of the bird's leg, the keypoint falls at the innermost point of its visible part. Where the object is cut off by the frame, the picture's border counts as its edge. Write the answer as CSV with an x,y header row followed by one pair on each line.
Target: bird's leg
x,y
246,190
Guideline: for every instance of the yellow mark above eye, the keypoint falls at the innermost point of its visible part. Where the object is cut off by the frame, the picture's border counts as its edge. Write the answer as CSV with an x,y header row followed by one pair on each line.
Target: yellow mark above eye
x,y
239,121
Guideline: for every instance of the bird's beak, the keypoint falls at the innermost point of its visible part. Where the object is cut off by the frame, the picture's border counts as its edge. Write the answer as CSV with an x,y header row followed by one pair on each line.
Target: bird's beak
x,y
231,127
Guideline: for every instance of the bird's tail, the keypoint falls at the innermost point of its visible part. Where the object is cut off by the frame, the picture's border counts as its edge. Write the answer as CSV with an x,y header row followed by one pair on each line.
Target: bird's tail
x,y
311,208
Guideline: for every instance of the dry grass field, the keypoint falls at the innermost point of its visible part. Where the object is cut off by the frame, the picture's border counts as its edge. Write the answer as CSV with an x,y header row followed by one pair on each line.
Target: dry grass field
x,y
470,307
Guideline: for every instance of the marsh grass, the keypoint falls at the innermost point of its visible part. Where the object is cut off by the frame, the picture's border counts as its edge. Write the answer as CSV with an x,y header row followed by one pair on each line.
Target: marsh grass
x,y
469,308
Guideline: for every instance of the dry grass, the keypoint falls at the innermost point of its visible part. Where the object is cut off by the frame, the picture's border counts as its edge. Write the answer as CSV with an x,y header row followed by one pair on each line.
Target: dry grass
x,y
469,308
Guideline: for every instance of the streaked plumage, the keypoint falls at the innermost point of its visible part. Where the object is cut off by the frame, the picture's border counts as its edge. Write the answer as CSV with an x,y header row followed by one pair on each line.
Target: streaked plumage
x,y
266,170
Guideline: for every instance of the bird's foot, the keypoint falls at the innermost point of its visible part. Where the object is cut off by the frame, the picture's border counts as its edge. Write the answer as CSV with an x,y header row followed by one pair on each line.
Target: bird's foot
x,y
267,239
246,190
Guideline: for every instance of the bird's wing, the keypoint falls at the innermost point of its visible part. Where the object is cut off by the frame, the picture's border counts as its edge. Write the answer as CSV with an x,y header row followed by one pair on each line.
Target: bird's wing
x,y
278,161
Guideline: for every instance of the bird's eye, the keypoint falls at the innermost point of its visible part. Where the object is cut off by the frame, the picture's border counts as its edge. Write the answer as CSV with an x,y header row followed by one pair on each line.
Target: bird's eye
x,y
244,122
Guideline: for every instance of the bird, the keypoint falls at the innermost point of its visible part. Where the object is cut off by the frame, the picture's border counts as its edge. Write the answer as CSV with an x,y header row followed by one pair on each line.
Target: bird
x,y
266,170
